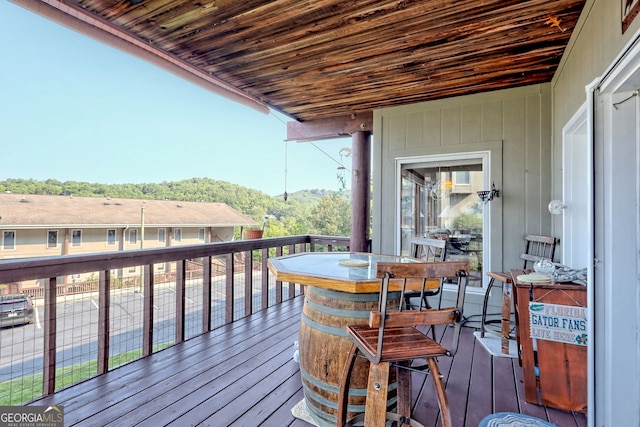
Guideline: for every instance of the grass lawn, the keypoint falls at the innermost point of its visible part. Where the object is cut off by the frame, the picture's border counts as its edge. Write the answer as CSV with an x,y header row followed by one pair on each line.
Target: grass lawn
x,y
19,391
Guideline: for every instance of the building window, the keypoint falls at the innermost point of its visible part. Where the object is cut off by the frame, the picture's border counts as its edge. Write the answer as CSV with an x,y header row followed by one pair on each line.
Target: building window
x,y
9,241
111,237
162,235
76,238
132,269
462,177
177,235
133,236
52,239
201,234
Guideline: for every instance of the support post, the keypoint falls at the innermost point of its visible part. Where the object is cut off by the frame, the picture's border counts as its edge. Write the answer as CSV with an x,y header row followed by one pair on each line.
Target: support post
x,y
360,191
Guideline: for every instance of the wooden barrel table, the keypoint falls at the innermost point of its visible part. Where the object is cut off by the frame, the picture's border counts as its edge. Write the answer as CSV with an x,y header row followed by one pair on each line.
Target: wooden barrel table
x,y
324,345
341,289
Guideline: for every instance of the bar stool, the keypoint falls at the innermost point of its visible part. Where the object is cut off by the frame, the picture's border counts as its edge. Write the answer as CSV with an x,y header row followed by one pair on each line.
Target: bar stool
x,y
429,250
391,340
536,248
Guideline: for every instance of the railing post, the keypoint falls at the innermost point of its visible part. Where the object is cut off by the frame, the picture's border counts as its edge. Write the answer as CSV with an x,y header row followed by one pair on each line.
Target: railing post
x,y
206,294
229,291
265,279
147,317
50,330
104,303
278,282
181,281
248,283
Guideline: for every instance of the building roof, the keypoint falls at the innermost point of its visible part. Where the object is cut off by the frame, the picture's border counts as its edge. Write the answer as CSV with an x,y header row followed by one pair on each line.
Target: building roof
x,y
36,211
326,58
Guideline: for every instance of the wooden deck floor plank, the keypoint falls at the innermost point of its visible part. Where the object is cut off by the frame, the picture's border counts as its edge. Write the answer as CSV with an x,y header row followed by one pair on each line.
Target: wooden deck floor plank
x,y
581,420
121,374
239,398
272,400
526,407
480,403
218,388
185,366
562,418
174,398
112,388
282,416
459,379
504,386
426,410
243,375
418,380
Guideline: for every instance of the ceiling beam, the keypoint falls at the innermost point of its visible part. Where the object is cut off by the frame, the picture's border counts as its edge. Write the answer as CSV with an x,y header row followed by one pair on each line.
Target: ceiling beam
x,y
332,127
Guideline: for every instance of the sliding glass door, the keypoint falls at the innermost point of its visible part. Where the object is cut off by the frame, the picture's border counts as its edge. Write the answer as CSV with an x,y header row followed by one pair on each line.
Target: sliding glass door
x,y
438,199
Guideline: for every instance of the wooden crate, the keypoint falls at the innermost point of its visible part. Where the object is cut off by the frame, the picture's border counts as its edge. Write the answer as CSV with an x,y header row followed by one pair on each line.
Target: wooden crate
x,y
556,374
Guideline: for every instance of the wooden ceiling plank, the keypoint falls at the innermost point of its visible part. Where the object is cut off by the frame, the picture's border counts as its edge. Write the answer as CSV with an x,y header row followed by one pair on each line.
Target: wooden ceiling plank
x,y
319,37
459,82
465,44
401,59
406,36
465,71
322,58
438,57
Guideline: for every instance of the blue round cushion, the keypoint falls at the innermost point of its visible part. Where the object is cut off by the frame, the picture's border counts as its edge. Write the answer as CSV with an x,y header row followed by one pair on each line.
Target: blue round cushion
x,y
512,419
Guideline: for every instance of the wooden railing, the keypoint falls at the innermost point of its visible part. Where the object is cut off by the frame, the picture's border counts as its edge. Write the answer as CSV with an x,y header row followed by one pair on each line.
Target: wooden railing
x,y
254,253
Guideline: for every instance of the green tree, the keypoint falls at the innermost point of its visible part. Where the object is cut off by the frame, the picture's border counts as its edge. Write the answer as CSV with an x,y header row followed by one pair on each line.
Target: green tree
x,y
308,211
331,216
469,221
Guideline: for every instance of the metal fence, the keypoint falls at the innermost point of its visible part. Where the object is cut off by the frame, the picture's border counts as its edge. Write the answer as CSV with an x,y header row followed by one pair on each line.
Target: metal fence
x,y
83,329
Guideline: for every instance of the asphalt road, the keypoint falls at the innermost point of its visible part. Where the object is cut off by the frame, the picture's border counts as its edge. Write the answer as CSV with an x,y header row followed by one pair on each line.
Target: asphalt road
x,y
77,326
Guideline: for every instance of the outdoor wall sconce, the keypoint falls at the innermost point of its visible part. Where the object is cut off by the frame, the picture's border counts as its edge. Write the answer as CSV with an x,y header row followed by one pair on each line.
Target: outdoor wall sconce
x,y
556,207
487,195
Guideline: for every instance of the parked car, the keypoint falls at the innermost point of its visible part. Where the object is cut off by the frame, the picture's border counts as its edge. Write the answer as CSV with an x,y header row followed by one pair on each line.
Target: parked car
x,y
15,309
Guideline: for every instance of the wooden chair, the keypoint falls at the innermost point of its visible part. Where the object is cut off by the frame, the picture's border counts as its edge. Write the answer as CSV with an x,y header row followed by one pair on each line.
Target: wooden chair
x,y
392,340
427,250
536,248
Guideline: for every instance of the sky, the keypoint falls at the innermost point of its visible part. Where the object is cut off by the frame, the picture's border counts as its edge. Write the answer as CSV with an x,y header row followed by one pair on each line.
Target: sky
x,y
74,109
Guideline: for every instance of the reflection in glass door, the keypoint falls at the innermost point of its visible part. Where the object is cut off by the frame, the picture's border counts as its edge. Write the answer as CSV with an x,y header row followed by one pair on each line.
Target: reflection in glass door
x,y
439,200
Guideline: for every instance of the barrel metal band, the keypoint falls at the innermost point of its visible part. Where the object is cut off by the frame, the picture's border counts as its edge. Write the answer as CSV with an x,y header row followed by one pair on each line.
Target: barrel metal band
x,y
338,312
336,389
331,330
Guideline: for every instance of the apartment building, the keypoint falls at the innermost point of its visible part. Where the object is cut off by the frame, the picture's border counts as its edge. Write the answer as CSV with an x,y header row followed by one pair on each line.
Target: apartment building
x,y
42,225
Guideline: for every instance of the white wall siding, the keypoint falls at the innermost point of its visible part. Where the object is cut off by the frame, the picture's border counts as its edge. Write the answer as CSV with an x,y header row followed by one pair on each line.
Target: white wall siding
x,y
596,44
514,124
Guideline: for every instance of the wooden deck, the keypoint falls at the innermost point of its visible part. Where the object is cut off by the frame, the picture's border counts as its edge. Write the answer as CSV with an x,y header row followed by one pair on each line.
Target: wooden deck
x,y
243,375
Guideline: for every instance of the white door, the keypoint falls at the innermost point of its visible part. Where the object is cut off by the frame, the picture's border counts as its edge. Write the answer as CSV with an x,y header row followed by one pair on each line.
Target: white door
x,y
617,243
577,191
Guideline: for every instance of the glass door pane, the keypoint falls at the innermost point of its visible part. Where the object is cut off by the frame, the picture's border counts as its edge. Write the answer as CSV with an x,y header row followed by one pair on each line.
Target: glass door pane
x,y
439,200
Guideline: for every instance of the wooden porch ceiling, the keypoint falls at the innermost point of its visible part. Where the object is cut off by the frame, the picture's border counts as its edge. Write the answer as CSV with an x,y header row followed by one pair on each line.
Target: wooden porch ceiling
x,y
325,58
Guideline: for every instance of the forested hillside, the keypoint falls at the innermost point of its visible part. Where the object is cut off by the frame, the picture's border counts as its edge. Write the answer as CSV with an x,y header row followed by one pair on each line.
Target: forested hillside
x,y
309,211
